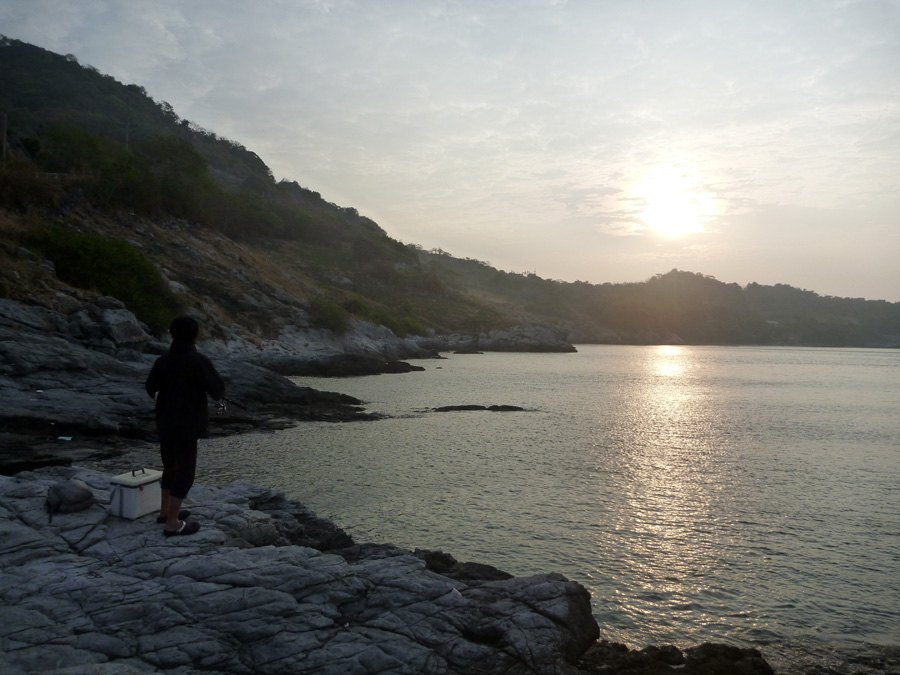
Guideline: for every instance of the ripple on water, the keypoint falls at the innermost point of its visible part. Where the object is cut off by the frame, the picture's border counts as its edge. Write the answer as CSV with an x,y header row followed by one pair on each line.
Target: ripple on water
x,y
740,495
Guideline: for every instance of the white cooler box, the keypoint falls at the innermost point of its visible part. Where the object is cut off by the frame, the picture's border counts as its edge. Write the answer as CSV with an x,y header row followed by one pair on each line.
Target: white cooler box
x,y
134,494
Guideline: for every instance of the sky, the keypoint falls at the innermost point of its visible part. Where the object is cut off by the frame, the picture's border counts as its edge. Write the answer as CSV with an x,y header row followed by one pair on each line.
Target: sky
x,y
592,140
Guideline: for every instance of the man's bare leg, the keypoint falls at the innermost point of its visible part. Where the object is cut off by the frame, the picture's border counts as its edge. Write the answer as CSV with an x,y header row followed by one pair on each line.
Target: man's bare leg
x,y
172,520
164,503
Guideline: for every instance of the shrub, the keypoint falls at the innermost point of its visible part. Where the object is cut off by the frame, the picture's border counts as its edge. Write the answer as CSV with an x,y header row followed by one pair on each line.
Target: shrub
x,y
401,326
21,188
111,267
325,314
357,307
414,327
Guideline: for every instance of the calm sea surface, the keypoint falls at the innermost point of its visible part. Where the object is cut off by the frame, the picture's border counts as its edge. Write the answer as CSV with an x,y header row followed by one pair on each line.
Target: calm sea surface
x,y
744,495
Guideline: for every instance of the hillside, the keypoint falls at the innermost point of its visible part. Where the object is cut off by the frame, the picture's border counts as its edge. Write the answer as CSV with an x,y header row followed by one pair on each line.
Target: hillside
x,y
95,170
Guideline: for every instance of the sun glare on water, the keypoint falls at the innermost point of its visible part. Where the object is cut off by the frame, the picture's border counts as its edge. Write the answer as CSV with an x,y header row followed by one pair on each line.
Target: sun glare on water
x,y
674,206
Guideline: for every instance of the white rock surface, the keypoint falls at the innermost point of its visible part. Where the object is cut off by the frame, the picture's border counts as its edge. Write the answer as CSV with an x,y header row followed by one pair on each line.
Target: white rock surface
x,y
89,593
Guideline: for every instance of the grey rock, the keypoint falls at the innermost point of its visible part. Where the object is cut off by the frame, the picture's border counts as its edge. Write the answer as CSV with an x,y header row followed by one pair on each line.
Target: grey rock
x,y
705,659
81,326
69,496
523,338
91,593
339,365
65,376
528,338
105,302
27,317
67,303
124,329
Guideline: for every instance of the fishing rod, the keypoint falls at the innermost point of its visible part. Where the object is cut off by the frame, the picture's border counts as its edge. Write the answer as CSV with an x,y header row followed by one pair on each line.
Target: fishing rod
x,y
221,407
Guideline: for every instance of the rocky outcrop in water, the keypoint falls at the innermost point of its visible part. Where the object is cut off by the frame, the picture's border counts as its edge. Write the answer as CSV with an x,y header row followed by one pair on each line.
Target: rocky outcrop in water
x,y
523,338
264,587
707,659
365,349
341,365
76,366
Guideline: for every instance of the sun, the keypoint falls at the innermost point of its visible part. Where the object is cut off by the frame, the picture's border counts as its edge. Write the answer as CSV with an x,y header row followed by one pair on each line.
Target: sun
x,y
674,206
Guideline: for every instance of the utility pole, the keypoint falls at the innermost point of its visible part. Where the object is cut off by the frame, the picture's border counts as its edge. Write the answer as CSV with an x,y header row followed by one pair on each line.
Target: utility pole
x,y
4,140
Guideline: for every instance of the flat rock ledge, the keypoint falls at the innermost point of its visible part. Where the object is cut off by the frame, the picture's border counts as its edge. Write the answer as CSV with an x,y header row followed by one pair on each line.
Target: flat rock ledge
x,y
264,587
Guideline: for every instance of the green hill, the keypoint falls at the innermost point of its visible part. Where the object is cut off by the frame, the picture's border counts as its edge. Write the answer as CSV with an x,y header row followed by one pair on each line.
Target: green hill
x,y
89,161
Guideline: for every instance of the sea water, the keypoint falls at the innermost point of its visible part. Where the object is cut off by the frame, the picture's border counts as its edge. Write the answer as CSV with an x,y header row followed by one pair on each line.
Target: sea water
x,y
740,495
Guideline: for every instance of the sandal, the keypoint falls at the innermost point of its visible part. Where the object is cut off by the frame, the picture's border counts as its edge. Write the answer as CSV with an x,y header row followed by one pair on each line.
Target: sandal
x,y
186,528
181,516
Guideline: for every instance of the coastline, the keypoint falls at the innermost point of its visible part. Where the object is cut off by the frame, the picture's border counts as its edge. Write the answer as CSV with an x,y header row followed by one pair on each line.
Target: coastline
x,y
267,586
106,429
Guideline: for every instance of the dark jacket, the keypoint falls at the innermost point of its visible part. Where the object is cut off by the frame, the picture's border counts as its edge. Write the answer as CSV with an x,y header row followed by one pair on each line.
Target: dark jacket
x,y
183,377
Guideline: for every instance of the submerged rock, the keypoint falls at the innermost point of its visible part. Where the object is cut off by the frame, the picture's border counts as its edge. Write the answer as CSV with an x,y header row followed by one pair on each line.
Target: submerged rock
x,y
262,588
610,658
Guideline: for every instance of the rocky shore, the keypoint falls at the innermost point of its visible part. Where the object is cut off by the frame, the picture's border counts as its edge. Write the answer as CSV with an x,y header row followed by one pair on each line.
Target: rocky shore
x,y
78,377
267,587
73,369
264,587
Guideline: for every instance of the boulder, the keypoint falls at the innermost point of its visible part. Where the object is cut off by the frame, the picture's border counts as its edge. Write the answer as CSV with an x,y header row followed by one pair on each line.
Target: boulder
x,y
125,331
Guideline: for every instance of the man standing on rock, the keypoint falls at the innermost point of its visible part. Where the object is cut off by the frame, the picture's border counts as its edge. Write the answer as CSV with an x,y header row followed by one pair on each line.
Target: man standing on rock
x,y
179,383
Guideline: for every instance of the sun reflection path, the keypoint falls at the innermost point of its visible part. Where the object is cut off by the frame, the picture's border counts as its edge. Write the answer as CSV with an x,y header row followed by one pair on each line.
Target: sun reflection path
x,y
668,424
668,360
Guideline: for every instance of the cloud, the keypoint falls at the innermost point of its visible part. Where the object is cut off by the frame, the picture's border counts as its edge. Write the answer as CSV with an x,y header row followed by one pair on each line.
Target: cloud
x,y
540,120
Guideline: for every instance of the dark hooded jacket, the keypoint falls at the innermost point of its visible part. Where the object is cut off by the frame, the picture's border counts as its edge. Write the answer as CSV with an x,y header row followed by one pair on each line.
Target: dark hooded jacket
x,y
183,377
